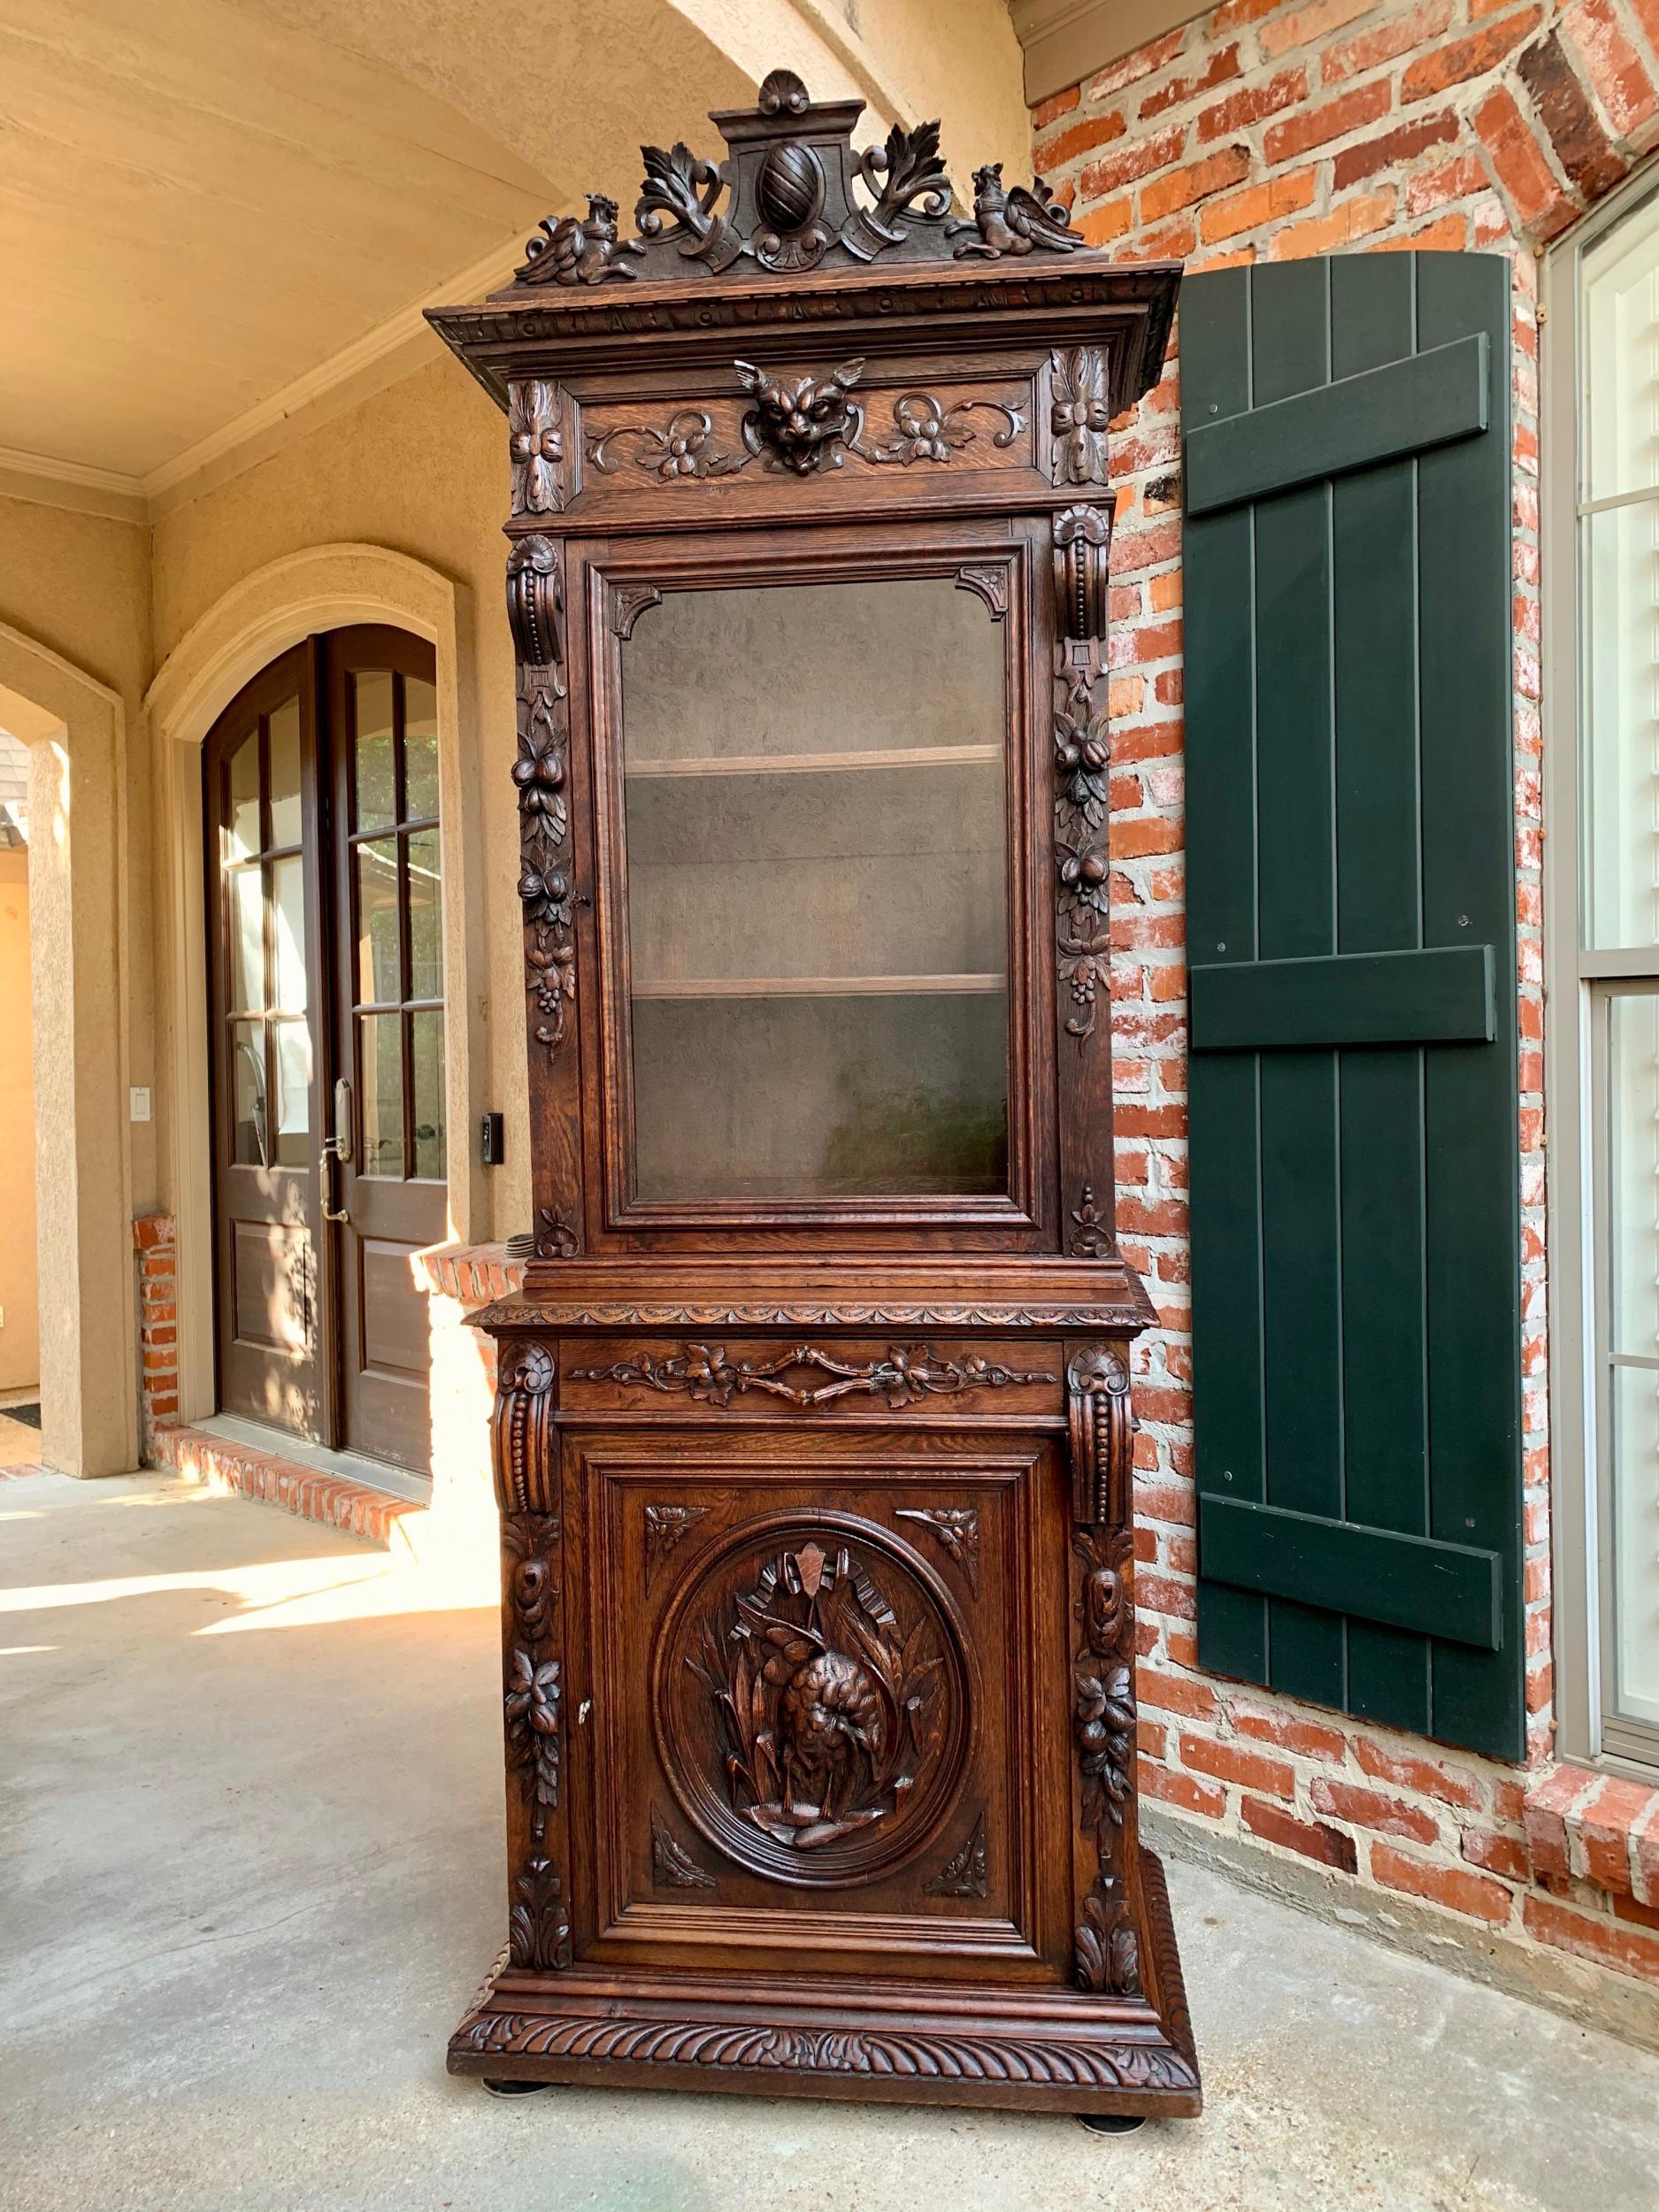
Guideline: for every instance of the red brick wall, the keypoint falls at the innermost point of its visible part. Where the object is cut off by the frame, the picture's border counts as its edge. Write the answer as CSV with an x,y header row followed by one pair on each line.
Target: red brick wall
x,y
154,1241
1268,131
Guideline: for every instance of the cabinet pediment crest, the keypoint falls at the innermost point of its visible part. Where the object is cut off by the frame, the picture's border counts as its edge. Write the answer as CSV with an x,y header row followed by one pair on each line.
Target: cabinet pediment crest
x,y
792,193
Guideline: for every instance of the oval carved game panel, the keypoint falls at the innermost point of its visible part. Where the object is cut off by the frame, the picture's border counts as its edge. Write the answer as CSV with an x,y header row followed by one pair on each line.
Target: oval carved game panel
x,y
811,1698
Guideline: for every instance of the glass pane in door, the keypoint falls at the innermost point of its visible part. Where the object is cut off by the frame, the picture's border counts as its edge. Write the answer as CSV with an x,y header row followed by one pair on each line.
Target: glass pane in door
x,y
817,873
397,884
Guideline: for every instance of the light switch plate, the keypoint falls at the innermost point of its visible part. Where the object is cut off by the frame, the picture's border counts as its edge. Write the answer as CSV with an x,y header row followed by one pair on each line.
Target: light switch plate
x,y
139,1109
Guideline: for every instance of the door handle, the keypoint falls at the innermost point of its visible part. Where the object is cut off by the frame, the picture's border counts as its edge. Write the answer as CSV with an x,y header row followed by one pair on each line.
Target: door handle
x,y
326,1160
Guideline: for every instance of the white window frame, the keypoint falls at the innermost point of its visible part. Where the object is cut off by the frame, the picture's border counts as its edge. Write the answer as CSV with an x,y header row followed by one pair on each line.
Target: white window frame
x,y
1574,1028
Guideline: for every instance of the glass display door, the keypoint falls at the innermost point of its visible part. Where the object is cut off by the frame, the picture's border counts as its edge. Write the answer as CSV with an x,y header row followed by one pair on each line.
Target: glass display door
x,y
815,834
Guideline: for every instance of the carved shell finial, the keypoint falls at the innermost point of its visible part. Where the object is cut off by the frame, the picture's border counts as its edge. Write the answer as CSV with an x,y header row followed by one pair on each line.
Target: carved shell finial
x,y
783,92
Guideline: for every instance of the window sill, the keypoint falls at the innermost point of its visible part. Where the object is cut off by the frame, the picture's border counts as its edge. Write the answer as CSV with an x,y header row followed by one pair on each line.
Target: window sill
x,y
1585,1826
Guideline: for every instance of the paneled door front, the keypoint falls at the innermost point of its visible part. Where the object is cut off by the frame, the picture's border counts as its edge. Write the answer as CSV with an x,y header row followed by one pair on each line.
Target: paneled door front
x,y
327,1021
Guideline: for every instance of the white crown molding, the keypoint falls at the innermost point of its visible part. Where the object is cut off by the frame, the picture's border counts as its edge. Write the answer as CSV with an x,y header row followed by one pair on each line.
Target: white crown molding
x,y
381,357
72,484
1065,41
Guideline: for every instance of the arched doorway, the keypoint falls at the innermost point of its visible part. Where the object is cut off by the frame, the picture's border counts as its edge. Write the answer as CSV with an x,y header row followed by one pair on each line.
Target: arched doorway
x,y
326,1028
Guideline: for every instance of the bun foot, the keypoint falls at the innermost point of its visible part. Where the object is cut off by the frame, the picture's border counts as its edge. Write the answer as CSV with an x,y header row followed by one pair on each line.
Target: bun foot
x,y
516,2088
1109,2123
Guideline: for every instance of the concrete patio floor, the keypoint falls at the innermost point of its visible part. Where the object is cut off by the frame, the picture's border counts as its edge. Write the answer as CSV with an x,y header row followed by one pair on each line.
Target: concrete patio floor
x,y
251,1876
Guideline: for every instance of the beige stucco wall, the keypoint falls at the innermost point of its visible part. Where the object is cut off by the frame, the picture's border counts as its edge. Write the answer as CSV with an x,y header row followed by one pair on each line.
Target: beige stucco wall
x,y
79,584
420,468
19,1287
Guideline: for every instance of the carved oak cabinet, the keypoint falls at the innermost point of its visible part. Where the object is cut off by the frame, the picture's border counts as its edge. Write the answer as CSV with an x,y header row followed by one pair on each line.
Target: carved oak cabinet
x,y
813,1432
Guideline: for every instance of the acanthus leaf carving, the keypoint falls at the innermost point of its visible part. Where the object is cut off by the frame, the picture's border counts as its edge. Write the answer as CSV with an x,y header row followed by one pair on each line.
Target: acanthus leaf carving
x,y
1105,1951
907,1375
1080,414
672,1866
664,1527
1091,1235
957,1528
554,1238
965,1873
678,198
535,446
539,1924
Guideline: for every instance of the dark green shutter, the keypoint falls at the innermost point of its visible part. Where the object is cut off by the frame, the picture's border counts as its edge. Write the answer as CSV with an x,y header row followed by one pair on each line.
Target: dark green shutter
x,y
1351,938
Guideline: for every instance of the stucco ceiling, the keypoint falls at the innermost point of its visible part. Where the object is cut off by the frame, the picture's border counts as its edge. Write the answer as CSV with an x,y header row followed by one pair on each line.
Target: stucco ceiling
x,y
201,201
209,209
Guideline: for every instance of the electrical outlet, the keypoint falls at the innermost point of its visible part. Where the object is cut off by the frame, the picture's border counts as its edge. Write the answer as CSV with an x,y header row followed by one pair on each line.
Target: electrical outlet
x,y
139,1107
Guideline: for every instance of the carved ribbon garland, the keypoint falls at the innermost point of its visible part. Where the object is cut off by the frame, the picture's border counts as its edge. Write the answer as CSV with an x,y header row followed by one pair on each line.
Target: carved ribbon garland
x,y
703,1372
538,1925
798,427
541,773
1082,545
1105,1953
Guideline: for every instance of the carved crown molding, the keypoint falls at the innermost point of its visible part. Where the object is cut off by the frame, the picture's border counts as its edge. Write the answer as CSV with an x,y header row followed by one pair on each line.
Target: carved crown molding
x,y
792,193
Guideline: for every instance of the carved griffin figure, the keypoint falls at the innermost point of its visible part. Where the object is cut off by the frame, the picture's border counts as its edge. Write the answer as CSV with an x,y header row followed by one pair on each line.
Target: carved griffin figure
x,y
579,250
797,424
1014,222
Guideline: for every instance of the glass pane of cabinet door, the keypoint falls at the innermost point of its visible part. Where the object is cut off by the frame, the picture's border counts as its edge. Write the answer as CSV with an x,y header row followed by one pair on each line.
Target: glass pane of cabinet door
x,y
815,825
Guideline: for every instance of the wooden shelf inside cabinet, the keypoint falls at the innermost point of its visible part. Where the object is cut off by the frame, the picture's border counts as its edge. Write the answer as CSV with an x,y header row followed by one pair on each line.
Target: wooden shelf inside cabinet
x,y
820,987
819,764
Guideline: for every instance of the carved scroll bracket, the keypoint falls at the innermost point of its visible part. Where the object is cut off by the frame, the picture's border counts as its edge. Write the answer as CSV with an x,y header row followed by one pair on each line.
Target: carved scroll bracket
x,y
1082,549
1102,1424
524,1404
535,606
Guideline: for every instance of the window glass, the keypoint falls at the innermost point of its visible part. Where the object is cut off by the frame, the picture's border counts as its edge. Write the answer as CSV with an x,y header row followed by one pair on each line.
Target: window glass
x,y
380,972
284,739
381,1058
420,749
243,837
376,762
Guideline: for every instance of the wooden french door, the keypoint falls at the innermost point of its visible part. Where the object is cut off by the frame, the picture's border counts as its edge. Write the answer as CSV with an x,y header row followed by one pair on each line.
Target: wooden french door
x,y
326,984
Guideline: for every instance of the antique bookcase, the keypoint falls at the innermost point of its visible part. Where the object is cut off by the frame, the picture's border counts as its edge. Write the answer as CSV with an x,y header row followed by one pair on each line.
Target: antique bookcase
x,y
813,1432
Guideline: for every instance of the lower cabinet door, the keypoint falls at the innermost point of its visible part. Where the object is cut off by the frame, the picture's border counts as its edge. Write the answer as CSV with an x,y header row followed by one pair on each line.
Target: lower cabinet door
x,y
820,1703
